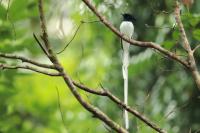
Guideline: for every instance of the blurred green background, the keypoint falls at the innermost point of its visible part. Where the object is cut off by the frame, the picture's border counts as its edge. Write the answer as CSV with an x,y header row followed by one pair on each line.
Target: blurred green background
x,y
160,88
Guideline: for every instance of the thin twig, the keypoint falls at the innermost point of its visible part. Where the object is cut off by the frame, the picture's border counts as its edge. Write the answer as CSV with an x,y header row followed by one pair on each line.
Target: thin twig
x,y
195,49
158,27
41,46
3,66
176,108
23,59
60,109
79,26
73,37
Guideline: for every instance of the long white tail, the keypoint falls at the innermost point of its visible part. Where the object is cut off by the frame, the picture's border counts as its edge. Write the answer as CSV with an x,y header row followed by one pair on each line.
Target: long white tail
x,y
125,77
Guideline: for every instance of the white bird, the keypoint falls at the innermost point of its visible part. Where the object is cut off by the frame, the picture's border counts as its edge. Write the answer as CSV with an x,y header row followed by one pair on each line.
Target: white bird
x,y
126,28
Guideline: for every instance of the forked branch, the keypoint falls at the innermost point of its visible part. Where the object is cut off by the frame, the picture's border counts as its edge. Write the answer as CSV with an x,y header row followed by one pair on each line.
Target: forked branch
x,y
132,41
92,109
191,60
190,64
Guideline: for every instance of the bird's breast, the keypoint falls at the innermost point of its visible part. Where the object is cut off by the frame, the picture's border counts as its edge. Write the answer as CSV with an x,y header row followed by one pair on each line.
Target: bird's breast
x,y
127,28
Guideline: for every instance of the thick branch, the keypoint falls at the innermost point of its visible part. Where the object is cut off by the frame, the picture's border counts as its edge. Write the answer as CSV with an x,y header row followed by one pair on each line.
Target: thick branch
x,y
134,42
95,111
23,59
186,45
3,66
119,102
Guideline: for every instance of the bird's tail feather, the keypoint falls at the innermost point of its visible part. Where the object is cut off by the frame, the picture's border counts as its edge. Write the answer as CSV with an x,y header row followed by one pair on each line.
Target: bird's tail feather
x,y
125,77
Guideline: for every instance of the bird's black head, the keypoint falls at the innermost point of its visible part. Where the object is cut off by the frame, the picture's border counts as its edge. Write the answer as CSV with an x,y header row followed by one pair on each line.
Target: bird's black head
x,y
128,17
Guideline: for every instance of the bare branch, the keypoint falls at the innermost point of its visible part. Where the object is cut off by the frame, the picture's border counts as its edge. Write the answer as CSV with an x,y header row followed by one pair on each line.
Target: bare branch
x,y
43,25
87,89
195,49
23,59
186,45
158,27
132,41
3,66
92,109
78,28
116,100
41,46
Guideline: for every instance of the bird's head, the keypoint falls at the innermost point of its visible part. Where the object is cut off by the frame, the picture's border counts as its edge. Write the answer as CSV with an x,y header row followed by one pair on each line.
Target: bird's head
x,y
128,17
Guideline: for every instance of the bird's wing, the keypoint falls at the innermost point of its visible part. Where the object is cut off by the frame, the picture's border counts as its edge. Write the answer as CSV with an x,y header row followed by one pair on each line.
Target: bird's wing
x,y
121,44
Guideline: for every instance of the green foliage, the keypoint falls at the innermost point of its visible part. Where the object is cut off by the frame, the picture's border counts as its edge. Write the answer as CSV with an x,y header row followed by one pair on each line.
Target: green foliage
x,y
157,85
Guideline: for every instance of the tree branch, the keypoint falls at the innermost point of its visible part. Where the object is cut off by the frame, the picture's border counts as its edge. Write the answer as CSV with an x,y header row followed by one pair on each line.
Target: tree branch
x,y
186,45
23,59
3,66
195,49
41,46
132,41
95,111
75,33
79,26
104,92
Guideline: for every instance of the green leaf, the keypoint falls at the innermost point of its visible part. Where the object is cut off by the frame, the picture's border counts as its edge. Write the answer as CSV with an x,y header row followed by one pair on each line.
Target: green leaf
x,y
168,44
196,34
17,10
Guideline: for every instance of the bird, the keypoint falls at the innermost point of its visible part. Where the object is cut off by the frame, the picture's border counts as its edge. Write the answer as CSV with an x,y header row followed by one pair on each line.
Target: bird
x,y
127,29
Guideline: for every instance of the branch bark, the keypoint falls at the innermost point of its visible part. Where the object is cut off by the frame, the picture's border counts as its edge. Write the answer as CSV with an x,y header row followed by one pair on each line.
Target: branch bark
x,y
132,41
116,100
191,60
23,59
191,64
95,111
101,92
3,66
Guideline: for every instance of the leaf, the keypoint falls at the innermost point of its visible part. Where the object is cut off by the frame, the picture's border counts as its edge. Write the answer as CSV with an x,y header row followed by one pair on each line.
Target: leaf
x,y
168,44
17,10
196,34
